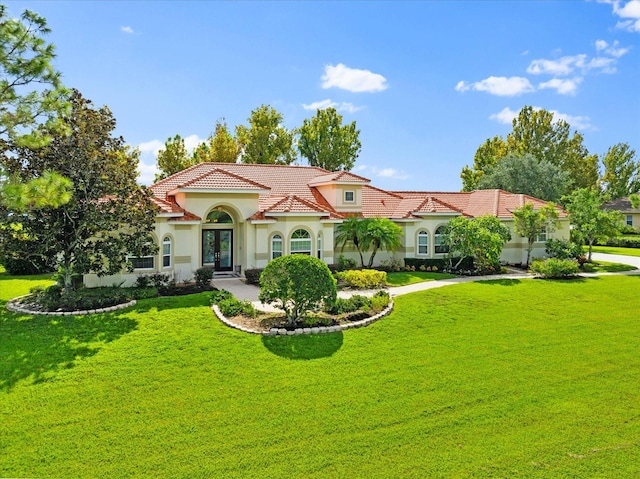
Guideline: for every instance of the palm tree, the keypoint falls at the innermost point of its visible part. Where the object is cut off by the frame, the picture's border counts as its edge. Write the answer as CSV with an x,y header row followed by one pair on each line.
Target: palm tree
x,y
352,230
381,234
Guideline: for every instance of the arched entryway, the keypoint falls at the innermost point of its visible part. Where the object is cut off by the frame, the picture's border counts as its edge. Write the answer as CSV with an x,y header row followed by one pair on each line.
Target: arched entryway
x,y
217,240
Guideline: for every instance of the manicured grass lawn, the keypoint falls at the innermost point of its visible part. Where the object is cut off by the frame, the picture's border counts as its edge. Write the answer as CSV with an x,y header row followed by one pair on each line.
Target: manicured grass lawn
x,y
403,278
502,378
606,267
616,250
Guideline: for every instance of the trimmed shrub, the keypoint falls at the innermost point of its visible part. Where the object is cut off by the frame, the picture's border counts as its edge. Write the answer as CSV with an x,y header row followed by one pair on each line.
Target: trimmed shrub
x,y
380,301
624,242
204,277
553,268
233,307
252,275
349,305
363,278
562,249
297,283
220,295
442,264
345,263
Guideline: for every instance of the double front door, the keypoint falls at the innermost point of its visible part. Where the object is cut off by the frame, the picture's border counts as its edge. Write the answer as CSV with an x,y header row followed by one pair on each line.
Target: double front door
x,y
217,249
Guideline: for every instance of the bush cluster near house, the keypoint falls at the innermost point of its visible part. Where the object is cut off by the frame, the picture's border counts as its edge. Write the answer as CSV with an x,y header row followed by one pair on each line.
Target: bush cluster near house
x,y
363,278
554,268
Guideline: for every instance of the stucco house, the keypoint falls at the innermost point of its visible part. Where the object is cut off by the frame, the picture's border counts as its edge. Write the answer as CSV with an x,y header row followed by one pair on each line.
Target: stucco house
x,y
231,217
630,215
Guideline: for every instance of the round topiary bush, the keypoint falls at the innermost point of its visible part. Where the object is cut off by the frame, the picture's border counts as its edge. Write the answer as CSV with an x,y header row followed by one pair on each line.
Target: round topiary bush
x,y
297,283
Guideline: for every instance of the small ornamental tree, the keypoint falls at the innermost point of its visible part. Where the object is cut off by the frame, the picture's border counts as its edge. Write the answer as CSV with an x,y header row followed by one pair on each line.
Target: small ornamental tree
x,y
481,238
529,222
297,283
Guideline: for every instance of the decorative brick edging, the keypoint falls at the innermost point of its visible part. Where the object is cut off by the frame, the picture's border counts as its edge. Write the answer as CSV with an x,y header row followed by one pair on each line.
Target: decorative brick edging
x,y
14,305
316,330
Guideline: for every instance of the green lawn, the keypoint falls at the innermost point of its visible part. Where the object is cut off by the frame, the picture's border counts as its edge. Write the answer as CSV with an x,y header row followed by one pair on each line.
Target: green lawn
x,y
504,378
616,250
403,278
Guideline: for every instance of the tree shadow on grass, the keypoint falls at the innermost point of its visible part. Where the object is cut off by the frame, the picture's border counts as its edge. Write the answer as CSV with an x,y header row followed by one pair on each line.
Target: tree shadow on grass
x,y
304,346
37,346
499,282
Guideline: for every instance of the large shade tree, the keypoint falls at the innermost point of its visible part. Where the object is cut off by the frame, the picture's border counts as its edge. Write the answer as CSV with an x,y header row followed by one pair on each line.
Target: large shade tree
x,y
220,147
108,219
31,93
173,158
621,171
536,132
265,140
325,142
527,175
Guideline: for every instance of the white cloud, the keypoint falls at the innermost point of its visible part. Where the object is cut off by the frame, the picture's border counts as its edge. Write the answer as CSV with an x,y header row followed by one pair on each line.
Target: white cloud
x,y
152,146
147,173
368,171
562,87
500,86
507,115
126,29
561,66
630,12
191,142
321,105
352,79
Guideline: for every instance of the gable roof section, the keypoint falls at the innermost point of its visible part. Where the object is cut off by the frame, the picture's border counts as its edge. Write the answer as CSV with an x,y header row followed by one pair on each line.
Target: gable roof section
x,y
219,179
339,177
172,210
621,204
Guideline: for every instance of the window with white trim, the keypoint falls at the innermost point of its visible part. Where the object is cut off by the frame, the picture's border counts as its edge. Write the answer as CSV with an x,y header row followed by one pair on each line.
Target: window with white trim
x,y
541,237
166,252
301,242
423,242
276,246
629,220
319,245
437,240
349,196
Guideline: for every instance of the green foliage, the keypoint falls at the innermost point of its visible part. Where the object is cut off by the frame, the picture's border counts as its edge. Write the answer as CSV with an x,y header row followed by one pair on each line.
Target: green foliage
x,y
220,295
30,88
109,217
563,249
221,147
349,305
363,278
635,200
252,275
173,158
441,264
591,223
203,277
57,298
265,140
230,307
481,238
345,263
527,175
47,190
325,142
554,268
369,234
621,171
535,132
380,301
296,284
529,222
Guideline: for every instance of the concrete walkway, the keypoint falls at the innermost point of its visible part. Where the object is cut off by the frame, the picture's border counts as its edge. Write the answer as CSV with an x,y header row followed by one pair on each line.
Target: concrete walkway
x,y
250,292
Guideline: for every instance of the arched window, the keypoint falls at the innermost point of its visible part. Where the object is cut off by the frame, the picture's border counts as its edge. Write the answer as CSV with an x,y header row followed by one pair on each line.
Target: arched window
x,y
319,245
301,242
423,242
276,246
440,248
166,252
219,216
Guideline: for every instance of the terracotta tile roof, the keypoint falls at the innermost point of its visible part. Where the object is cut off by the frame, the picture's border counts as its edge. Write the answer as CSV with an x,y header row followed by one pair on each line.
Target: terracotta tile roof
x,y
377,202
221,179
294,204
168,207
339,177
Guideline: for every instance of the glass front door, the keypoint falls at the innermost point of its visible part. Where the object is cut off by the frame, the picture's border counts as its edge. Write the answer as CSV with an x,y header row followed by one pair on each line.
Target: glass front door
x,y
217,248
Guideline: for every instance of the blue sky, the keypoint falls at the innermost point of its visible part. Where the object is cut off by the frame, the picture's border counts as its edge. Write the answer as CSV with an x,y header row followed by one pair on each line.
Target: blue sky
x,y
426,82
